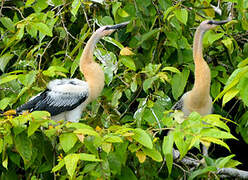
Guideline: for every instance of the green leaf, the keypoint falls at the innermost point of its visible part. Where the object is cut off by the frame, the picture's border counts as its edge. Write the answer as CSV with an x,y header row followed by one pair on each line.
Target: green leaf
x,y
71,161
181,15
33,126
215,88
24,146
5,163
229,95
107,20
86,132
214,120
88,157
229,45
40,5
1,145
113,41
28,79
216,141
79,126
179,82
211,36
142,137
148,35
8,79
215,133
31,31
202,171
112,138
153,153
43,28
67,141
55,70
127,173
148,83
122,13
128,62
4,102
171,69
40,115
221,162
7,22
58,166
243,89
167,148
75,6
4,59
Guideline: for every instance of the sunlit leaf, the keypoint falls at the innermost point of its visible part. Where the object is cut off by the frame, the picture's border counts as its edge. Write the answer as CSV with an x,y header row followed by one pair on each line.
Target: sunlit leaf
x,y
71,161
181,15
141,156
24,146
229,95
167,148
142,137
128,62
67,141
8,23
153,153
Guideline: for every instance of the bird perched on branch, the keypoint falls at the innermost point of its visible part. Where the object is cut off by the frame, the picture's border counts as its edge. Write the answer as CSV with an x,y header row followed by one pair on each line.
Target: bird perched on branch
x,y
198,99
65,99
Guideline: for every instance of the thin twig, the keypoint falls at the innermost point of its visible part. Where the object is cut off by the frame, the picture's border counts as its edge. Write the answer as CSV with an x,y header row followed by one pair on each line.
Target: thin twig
x,y
67,30
1,7
9,7
45,51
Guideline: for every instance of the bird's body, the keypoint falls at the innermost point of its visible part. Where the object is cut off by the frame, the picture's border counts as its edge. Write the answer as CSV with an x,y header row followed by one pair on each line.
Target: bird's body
x,y
199,99
65,99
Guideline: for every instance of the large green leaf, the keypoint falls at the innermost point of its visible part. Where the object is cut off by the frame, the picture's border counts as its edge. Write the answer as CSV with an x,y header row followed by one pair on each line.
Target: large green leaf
x,y
179,82
128,62
142,137
243,89
181,15
167,148
153,153
67,141
8,23
71,161
88,157
4,59
43,28
24,146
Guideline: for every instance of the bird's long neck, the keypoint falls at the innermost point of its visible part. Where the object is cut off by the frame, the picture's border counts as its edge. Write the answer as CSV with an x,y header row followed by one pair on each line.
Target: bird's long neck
x,y
92,71
202,82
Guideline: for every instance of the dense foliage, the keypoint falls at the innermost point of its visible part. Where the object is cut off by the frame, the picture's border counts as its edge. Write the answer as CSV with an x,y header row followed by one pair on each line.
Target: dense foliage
x,y
129,131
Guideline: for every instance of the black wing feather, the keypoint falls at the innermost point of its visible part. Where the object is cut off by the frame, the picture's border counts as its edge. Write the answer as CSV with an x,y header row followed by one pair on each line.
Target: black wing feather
x,y
54,102
178,105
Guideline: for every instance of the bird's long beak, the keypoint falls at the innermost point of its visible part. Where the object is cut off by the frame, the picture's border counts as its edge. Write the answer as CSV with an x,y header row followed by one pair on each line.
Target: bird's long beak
x,y
221,22
118,26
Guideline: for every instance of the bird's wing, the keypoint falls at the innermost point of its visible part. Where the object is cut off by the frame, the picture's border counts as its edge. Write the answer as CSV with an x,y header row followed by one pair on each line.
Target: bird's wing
x,y
57,100
178,105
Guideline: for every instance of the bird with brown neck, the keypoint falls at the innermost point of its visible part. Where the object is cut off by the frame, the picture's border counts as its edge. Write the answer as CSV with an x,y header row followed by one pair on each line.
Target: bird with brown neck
x,y
199,99
65,99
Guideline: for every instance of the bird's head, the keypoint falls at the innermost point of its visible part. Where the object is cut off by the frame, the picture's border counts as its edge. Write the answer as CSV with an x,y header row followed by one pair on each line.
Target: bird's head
x,y
210,24
109,29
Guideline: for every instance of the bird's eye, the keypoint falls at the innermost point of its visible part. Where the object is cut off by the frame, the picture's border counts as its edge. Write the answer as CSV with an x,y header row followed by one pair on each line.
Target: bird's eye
x,y
107,28
210,22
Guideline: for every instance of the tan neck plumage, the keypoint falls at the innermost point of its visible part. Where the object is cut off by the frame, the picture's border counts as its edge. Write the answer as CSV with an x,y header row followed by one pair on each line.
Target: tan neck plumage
x,y
200,92
92,71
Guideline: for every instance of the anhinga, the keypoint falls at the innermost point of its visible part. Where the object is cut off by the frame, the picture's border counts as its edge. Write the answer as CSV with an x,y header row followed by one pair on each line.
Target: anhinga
x,y
66,98
198,99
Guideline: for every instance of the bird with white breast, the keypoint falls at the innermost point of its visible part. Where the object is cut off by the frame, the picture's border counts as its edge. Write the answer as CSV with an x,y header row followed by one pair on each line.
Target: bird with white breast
x,y
65,99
